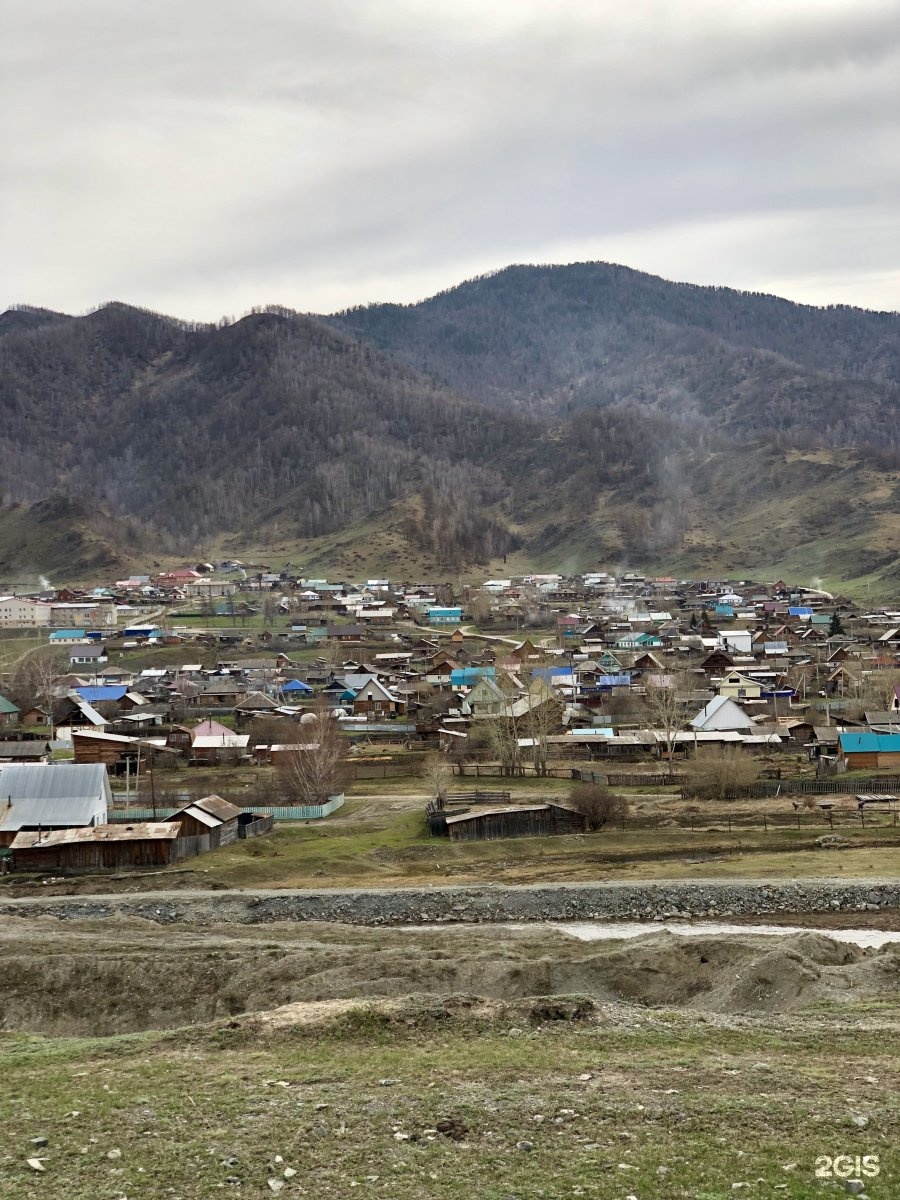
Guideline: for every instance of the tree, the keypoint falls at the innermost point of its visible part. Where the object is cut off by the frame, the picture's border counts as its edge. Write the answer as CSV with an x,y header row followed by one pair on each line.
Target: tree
x,y
34,680
836,627
270,610
317,768
597,804
665,706
437,773
715,769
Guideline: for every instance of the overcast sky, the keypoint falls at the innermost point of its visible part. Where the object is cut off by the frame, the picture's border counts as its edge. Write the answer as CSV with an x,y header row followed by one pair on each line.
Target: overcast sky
x,y
202,156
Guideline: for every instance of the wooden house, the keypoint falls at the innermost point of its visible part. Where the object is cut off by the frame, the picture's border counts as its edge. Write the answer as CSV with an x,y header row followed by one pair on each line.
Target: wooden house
x,y
869,751
374,699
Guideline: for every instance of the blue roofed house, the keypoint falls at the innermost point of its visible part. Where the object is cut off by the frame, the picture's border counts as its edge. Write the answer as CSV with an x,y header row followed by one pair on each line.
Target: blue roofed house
x,y
444,616
869,751
67,637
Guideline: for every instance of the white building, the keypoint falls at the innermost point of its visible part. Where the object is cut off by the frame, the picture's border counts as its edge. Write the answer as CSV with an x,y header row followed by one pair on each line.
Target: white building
x,y
17,612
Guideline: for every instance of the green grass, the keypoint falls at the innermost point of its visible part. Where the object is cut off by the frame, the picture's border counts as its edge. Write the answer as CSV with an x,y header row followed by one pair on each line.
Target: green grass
x,y
711,1105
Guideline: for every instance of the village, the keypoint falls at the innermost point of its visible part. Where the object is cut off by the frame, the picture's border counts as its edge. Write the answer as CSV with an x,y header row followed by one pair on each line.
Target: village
x,y
149,720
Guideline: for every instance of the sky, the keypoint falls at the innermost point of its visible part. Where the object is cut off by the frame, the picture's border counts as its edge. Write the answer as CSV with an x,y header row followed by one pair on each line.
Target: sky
x,y
200,157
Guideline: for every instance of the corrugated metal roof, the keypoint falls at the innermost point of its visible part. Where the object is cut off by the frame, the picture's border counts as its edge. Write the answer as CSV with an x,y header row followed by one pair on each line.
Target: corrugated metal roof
x,y
218,807
53,781
207,819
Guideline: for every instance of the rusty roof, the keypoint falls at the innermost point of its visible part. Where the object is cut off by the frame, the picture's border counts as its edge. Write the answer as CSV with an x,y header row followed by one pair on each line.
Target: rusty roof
x,y
118,832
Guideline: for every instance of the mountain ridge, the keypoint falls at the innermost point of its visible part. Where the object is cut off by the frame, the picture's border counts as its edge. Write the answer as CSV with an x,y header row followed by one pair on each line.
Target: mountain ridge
x,y
540,412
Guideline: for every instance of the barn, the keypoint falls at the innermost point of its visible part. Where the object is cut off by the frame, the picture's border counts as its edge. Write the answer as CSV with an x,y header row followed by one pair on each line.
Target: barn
x,y
521,820
103,847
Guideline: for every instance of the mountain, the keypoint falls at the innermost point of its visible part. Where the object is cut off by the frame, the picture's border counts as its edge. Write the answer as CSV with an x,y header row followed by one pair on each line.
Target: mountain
x,y
557,339
546,416
193,431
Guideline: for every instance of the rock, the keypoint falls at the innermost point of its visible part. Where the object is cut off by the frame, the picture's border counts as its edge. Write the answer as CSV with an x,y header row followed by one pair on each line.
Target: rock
x,y
114,1153
388,1082
275,1185
855,1187
401,1137
525,1145
859,1120
289,1172
35,1164
38,1142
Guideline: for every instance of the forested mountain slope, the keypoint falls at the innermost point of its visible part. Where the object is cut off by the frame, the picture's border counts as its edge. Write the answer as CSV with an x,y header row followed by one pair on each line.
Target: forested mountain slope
x,y
557,338
195,430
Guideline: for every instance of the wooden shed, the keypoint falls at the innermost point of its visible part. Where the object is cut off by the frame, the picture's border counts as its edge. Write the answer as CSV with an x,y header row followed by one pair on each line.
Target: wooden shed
x,y
532,820
100,847
211,820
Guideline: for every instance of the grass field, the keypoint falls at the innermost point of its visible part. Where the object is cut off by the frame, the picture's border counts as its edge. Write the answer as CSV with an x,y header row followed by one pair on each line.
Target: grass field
x,y
436,1103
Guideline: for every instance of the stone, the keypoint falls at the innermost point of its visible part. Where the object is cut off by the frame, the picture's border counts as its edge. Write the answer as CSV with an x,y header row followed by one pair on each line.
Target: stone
x,y
855,1187
35,1164
525,1145
38,1142
859,1120
275,1185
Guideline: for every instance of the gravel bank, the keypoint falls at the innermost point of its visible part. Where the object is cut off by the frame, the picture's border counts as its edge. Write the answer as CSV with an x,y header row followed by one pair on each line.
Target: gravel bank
x,y
485,904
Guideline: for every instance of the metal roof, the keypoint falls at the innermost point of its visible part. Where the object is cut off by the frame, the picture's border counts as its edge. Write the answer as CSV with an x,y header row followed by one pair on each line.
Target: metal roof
x,y
52,794
53,781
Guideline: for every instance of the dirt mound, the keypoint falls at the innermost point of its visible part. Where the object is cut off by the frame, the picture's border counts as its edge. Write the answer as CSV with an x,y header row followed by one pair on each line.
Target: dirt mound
x,y
114,977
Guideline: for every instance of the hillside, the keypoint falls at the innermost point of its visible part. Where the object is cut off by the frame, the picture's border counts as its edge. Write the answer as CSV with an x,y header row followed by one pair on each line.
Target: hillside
x,y
565,416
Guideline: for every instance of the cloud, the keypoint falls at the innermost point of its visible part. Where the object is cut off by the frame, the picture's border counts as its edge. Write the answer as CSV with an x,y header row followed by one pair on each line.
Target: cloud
x,y
203,156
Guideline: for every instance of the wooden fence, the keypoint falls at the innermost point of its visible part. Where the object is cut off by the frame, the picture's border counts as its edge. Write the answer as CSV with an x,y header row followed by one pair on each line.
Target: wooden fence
x,y
832,786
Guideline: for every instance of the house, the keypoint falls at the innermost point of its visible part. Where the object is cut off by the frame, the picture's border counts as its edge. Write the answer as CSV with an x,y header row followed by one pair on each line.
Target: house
x,y
487,699
860,751
45,796
374,699
9,712
739,687
721,713
90,656
444,616
345,633
68,637
219,747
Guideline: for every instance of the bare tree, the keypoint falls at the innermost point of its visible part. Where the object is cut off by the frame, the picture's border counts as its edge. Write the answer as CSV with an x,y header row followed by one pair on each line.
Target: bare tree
x,y
317,768
437,773
715,769
538,725
665,707
34,680
597,804
503,732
